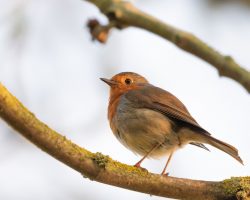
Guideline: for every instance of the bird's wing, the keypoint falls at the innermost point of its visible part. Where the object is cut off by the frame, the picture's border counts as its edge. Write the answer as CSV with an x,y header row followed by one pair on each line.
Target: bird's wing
x,y
151,97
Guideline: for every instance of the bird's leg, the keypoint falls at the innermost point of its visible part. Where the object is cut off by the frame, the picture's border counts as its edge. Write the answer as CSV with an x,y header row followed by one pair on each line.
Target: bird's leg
x,y
138,164
168,161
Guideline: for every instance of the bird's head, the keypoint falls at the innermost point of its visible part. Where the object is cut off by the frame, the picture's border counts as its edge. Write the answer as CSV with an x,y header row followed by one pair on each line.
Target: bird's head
x,y
123,82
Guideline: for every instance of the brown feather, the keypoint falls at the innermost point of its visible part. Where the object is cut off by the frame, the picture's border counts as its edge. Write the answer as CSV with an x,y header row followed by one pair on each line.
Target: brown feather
x,y
155,98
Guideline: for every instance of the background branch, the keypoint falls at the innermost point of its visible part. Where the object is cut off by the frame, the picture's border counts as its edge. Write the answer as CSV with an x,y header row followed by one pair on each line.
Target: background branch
x,y
105,170
124,14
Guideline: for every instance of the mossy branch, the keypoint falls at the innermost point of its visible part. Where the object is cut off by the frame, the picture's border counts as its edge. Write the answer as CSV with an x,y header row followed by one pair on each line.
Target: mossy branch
x,y
101,168
123,14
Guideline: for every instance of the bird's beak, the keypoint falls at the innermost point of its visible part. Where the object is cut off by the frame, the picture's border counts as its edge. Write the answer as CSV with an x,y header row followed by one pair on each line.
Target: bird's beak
x,y
109,82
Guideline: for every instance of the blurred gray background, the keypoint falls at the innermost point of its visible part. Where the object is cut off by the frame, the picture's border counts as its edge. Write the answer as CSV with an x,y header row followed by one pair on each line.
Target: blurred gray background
x,y
47,59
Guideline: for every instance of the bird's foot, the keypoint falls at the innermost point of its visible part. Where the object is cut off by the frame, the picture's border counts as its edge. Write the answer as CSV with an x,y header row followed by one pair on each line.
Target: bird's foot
x,y
165,174
138,165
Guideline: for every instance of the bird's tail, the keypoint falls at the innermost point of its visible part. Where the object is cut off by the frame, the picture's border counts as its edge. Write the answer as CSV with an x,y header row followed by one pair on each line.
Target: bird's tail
x,y
207,139
227,148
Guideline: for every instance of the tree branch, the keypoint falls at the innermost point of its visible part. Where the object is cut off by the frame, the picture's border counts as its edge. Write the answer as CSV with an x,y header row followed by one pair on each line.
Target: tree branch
x,y
124,14
98,167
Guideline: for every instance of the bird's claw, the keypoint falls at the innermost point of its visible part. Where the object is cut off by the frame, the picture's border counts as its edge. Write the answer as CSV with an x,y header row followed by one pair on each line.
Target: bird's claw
x,y
165,174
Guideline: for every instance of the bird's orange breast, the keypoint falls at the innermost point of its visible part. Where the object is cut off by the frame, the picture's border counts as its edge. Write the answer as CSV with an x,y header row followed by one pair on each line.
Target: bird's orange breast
x,y
115,96
112,108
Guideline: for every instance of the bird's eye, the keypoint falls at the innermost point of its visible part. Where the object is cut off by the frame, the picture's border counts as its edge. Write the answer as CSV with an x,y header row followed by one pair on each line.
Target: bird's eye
x,y
128,81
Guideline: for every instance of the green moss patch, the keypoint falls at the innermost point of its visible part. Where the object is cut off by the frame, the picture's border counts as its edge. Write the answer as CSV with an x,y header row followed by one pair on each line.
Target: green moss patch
x,y
237,186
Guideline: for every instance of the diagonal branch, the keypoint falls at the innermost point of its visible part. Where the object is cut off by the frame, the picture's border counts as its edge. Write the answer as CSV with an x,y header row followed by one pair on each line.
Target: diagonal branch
x,y
124,14
98,167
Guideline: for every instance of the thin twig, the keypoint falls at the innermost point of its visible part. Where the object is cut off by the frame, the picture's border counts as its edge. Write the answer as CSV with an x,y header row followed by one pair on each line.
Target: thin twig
x,y
125,14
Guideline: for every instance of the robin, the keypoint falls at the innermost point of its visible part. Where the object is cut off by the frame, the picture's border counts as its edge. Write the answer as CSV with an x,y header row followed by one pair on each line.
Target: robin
x,y
152,122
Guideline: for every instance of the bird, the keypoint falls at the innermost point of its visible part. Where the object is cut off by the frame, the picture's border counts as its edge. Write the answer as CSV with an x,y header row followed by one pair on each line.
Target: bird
x,y
152,122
